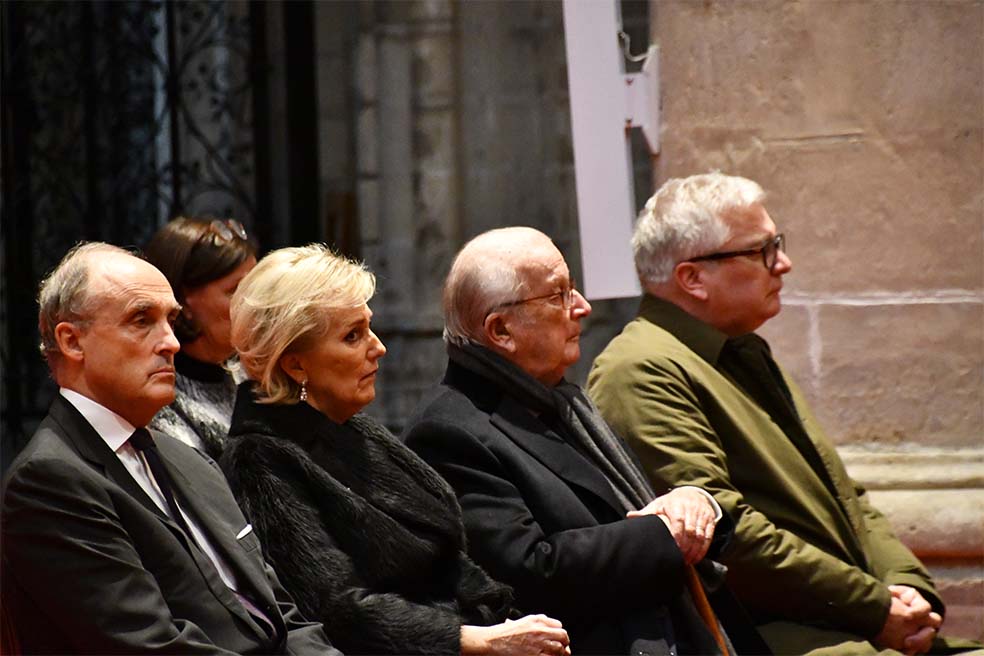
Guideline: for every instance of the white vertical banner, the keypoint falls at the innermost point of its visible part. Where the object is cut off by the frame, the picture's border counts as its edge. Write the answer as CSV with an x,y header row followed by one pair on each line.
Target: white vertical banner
x,y
602,157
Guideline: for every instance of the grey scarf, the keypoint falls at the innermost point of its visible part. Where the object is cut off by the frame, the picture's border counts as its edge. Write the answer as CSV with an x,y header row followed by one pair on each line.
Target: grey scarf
x,y
578,417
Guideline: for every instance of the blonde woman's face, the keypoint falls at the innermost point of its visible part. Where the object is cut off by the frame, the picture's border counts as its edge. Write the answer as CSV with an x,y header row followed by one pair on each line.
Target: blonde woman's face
x,y
341,366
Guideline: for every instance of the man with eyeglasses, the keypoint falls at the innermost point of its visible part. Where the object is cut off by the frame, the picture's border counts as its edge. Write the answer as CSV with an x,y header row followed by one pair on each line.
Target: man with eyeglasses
x,y
553,502
698,396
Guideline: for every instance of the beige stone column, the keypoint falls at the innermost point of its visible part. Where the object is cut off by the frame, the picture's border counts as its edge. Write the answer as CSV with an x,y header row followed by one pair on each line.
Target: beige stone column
x,y
863,121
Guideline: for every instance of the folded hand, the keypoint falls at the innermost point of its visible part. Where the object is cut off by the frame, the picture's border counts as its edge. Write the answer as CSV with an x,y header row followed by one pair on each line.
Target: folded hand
x,y
911,624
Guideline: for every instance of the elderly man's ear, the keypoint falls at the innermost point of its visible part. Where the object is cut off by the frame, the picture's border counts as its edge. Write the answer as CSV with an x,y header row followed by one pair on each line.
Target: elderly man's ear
x,y
67,336
689,278
497,333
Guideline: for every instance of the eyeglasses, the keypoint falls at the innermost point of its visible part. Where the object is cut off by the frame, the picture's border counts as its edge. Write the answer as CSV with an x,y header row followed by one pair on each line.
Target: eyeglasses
x,y
225,231
769,250
566,298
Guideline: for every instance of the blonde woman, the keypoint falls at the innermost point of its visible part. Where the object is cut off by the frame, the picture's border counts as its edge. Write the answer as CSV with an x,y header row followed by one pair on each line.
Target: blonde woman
x,y
366,537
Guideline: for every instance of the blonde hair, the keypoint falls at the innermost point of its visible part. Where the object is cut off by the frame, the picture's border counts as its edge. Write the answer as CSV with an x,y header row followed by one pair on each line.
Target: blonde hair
x,y
684,219
284,303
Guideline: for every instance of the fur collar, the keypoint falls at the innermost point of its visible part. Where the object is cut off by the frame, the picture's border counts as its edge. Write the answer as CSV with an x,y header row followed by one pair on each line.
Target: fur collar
x,y
380,498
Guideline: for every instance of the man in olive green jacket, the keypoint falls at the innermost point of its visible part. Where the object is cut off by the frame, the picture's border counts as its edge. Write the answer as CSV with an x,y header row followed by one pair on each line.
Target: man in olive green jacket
x,y
699,397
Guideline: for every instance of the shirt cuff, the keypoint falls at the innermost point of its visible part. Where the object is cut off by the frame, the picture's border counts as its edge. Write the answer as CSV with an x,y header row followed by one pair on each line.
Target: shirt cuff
x,y
718,513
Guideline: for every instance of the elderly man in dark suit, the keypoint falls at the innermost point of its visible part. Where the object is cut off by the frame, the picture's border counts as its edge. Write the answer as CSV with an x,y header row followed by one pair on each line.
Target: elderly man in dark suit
x,y
554,504
116,539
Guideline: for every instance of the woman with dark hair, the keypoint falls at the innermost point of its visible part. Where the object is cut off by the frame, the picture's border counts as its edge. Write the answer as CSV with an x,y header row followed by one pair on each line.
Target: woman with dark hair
x,y
204,260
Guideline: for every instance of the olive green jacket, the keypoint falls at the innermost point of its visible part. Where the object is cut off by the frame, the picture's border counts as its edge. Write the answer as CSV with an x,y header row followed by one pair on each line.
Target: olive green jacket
x,y
804,550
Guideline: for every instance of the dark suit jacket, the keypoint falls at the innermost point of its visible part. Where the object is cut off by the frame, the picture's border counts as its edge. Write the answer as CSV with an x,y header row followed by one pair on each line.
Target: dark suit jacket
x,y
91,565
543,519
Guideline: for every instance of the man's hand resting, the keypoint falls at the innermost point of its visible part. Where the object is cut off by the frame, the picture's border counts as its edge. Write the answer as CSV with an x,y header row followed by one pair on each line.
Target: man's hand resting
x,y
690,518
911,624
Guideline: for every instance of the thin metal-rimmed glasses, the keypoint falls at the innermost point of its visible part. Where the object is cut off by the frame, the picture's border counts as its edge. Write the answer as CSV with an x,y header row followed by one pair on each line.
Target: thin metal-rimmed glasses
x,y
769,250
225,231
566,298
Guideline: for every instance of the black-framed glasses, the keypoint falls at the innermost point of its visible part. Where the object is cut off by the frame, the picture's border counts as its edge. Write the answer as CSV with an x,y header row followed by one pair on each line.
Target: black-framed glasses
x,y
566,298
769,250
224,231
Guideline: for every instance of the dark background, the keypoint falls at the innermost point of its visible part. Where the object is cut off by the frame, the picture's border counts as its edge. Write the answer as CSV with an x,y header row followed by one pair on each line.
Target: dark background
x,y
296,119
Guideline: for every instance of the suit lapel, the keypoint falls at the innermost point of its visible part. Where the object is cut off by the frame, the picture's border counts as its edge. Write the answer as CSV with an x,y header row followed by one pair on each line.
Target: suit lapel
x,y
550,450
92,448
197,494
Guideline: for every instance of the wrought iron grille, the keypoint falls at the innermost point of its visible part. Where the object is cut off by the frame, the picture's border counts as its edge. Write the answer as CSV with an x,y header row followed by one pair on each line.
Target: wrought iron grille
x,y
117,116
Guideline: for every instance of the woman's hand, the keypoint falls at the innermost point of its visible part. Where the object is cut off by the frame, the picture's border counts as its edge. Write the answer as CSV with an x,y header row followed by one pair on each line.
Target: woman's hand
x,y
529,636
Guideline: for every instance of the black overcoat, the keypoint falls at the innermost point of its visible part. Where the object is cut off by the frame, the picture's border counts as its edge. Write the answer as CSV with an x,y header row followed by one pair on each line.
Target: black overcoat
x,y
542,518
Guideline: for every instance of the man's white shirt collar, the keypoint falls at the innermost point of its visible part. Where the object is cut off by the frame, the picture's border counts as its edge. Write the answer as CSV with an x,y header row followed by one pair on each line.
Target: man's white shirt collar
x,y
114,429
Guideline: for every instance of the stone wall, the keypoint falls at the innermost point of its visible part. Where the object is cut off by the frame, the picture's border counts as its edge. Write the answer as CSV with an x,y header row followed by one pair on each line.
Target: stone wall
x,y
461,124
863,121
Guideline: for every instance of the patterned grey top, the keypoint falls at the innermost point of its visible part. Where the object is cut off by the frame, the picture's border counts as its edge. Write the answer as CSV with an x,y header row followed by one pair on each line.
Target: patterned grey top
x,y
202,408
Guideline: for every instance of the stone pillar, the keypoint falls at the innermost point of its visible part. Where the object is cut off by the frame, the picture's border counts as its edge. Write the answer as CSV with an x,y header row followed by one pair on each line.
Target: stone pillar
x,y
462,125
408,186
863,122
336,33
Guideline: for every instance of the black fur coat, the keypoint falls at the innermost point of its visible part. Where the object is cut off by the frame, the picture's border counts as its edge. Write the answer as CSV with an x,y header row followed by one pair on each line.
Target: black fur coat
x,y
366,537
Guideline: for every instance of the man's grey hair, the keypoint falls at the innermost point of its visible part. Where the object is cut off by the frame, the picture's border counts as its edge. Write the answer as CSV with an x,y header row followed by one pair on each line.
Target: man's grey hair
x,y
684,220
64,294
483,277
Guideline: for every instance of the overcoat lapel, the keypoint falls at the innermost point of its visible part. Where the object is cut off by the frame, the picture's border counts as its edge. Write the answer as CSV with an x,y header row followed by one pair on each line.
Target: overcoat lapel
x,y
806,459
801,452
533,436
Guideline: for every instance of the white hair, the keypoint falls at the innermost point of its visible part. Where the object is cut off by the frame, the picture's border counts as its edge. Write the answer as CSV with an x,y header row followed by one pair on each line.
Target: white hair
x,y
684,220
485,275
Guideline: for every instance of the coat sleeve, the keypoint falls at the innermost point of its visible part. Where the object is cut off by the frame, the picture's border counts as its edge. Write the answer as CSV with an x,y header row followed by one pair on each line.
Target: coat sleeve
x,y
66,548
482,600
590,572
655,408
271,486
895,563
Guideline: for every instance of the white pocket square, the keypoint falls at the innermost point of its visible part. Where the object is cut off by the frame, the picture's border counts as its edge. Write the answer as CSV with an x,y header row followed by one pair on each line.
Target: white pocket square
x,y
246,531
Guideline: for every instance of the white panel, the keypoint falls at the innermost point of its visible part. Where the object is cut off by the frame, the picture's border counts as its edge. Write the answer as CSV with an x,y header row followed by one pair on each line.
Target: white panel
x,y
602,159
642,99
